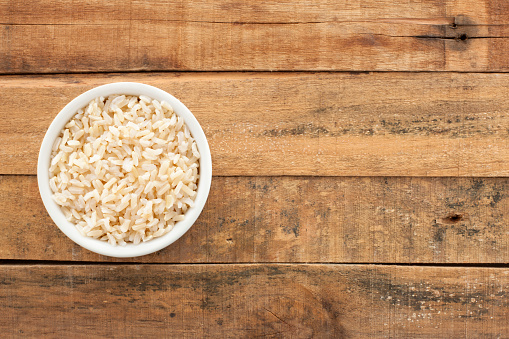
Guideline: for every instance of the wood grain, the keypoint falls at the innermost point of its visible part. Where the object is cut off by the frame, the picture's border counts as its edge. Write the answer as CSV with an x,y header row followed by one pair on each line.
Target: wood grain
x,y
295,219
332,124
233,301
382,35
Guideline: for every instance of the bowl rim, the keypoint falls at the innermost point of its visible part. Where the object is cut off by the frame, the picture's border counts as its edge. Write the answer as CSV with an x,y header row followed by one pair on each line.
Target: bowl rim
x,y
103,247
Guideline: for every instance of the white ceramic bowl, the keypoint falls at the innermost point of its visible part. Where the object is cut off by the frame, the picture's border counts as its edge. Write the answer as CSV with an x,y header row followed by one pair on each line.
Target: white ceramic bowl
x,y
103,247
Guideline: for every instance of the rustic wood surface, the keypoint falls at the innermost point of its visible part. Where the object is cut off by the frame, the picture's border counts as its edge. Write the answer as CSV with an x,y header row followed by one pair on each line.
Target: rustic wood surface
x,y
300,301
360,168
334,124
378,35
301,219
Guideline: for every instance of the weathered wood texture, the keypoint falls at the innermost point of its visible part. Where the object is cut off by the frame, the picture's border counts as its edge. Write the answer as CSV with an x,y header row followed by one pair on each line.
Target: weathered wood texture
x,y
292,219
121,35
234,301
395,124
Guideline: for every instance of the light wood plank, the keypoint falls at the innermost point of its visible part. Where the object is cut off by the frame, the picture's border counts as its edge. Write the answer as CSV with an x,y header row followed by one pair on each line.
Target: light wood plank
x,y
234,11
293,219
379,35
303,301
333,124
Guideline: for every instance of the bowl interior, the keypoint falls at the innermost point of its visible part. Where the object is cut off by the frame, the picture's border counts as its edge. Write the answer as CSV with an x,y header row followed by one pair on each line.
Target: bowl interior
x,y
102,247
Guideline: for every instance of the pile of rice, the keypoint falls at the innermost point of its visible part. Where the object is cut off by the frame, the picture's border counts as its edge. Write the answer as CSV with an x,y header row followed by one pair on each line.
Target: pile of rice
x,y
125,169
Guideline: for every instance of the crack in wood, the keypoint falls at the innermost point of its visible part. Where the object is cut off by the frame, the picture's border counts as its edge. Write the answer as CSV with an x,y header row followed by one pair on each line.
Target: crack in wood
x,y
444,21
266,309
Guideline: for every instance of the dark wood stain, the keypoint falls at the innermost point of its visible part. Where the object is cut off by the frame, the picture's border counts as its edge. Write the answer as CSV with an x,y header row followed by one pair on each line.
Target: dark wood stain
x,y
459,127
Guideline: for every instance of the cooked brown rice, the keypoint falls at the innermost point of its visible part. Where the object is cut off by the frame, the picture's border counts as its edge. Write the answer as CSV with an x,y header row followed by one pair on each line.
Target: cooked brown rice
x,y
125,169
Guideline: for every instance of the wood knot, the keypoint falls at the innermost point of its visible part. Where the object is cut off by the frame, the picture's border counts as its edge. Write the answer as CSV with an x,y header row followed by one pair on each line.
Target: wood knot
x,y
462,37
452,218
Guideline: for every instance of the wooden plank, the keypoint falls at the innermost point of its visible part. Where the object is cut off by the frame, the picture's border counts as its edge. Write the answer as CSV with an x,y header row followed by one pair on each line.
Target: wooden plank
x,y
340,301
380,35
294,219
333,124
98,11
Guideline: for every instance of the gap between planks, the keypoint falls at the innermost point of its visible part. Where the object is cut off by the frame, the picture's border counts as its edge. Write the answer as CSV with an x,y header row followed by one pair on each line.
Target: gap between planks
x,y
16,262
267,71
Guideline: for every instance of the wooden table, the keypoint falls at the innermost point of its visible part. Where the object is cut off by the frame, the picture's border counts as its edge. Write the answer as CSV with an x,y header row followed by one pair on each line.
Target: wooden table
x,y
361,163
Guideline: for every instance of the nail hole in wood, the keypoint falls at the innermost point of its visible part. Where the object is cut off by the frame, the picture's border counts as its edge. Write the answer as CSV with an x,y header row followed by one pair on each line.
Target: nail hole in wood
x,y
463,37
